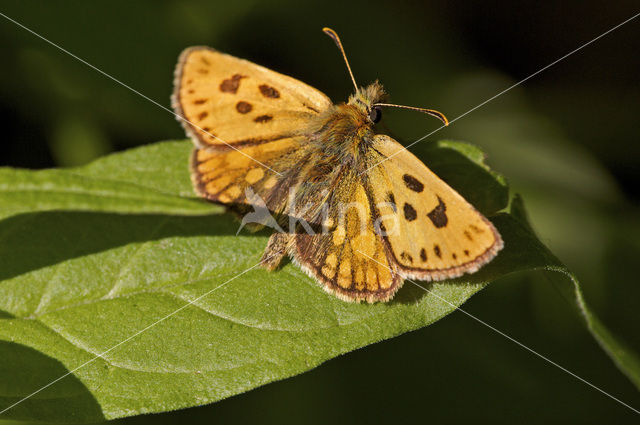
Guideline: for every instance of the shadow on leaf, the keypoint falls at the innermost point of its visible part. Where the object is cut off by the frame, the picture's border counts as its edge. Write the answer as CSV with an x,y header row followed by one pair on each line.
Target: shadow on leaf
x,y
25,370
36,240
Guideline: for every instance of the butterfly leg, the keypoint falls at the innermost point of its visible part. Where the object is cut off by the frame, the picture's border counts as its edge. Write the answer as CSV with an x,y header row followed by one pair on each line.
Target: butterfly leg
x,y
276,250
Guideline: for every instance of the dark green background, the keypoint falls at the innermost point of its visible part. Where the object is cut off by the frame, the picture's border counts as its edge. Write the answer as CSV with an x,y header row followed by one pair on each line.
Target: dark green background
x,y
567,140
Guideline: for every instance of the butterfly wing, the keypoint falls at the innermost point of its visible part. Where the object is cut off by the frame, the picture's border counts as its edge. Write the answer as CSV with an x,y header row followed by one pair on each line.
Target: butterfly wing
x,y
346,255
266,170
248,124
230,103
432,232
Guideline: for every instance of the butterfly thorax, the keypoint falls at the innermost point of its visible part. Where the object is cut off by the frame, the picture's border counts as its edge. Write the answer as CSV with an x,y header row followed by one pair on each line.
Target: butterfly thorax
x,y
345,132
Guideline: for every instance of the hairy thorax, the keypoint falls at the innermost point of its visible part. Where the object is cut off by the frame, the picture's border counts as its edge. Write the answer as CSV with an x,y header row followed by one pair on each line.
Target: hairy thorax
x,y
345,132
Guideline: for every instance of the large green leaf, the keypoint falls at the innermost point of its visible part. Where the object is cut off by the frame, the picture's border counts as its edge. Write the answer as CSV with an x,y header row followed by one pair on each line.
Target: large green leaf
x,y
89,291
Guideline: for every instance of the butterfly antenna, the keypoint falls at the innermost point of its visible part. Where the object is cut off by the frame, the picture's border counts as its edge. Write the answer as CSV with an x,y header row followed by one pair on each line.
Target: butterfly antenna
x,y
334,36
431,112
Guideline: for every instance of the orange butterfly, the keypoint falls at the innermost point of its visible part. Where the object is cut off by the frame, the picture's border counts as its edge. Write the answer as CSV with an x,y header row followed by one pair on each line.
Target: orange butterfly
x,y
360,211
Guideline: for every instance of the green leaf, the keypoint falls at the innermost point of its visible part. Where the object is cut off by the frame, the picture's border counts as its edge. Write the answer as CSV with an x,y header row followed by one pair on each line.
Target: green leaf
x,y
103,296
139,181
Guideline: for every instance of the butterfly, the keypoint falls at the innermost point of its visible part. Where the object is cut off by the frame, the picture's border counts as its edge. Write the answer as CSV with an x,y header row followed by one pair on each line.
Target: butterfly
x,y
353,208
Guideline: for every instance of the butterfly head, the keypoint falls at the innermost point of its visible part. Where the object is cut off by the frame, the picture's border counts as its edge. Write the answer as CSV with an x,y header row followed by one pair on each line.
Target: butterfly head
x,y
365,100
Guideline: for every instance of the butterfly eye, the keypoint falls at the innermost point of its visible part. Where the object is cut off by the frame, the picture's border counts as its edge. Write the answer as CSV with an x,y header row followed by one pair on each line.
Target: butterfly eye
x,y
375,114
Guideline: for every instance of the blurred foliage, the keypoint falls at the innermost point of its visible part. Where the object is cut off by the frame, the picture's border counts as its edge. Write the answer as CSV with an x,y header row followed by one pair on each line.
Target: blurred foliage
x,y
567,140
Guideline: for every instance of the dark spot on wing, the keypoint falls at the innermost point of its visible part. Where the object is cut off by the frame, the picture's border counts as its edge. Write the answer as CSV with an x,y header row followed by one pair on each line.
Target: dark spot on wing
x,y
263,118
204,60
423,255
436,250
230,85
466,252
409,212
310,108
199,101
438,215
243,107
268,91
413,183
476,229
406,257
468,235
454,256
203,115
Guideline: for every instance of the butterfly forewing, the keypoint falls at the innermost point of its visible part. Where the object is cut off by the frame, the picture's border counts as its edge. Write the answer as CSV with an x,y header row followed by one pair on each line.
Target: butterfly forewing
x,y
228,101
432,232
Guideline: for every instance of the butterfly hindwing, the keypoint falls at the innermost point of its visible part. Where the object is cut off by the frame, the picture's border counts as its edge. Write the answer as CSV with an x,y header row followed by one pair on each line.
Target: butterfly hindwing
x,y
432,232
224,177
233,103
347,255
